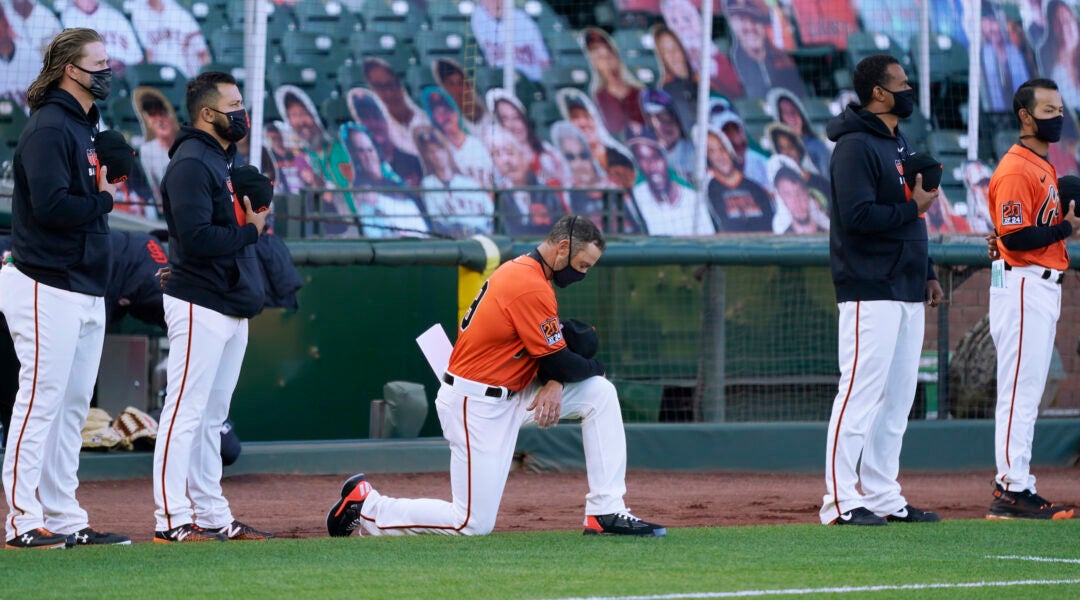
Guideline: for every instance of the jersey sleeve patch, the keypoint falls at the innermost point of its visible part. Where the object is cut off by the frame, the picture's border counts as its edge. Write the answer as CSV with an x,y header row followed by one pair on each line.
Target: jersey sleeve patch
x,y
551,331
1012,213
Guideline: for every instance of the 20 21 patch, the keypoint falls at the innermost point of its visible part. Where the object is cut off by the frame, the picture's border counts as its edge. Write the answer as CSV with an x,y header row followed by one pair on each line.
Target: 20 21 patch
x,y
551,330
1012,214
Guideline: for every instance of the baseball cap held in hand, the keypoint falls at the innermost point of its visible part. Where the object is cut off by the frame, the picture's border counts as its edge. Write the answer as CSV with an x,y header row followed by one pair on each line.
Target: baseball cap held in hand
x,y
114,153
248,181
925,164
1069,192
581,337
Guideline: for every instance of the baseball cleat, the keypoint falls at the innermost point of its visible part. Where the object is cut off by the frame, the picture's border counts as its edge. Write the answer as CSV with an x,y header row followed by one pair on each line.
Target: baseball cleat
x,y
621,523
90,537
40,538
859,516
344,516
239,532
187,533
1024,505
910,514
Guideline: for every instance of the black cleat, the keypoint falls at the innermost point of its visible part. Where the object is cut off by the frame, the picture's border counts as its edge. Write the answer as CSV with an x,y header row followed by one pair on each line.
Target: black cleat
x,y
344,516
90,537
239,532
621,523
1024,505
187,533
39,538
910,514
859,516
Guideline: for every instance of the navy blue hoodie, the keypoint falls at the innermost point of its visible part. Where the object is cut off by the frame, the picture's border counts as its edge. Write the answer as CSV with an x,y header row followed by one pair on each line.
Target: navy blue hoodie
x,y
212,255
59,222
877,243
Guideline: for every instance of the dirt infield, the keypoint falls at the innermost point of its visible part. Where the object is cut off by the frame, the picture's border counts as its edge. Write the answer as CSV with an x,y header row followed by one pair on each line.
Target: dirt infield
x,y
294,506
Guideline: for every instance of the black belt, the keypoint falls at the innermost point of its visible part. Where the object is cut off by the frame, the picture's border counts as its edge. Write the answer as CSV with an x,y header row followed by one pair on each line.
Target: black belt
x,y
1046,274
491,391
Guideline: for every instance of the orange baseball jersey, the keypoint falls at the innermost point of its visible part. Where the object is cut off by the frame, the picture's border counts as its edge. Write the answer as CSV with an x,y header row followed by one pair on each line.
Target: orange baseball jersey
x,y
513,321
1023,193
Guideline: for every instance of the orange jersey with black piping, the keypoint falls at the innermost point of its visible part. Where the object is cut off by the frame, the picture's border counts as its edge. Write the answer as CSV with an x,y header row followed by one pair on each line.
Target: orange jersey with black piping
x,y
1023,193
512,322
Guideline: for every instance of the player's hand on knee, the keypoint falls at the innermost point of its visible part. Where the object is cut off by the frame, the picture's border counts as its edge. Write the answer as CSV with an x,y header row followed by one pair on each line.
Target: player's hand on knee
x,y
547,405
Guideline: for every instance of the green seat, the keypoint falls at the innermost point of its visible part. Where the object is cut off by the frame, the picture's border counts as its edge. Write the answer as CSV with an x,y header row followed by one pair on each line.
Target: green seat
x,y
952,170
398,18
633,43
166,78
543,113
308,78
418,77
12,114
227,45
351,75
861,44
449,16
9,138
818,111
559,77
948,60
944,142
439,44
123,118
643,67
335,112
234,69
312,49
398,53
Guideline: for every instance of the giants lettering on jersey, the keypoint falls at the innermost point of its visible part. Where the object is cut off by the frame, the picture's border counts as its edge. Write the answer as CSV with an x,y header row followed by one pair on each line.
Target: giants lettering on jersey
x,y
1012,213
1048,209
551,330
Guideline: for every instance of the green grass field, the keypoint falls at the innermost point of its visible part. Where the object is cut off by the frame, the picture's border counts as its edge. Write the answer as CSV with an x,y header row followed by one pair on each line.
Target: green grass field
x,y
952,557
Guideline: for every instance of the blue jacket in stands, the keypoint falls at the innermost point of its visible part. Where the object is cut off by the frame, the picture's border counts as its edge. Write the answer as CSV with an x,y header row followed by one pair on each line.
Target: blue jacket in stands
x,y
59,220
212,255
877,241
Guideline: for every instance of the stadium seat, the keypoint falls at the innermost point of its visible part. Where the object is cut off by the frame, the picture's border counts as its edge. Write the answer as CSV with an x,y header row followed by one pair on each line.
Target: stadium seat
x,y
227,45
330,18
386,46
945,142
862,44
396,17
234,69
335,112
440,44
948,60
351,75
528,91
817,110
308,78
951,170
567,44
279,19
752,112
449,16
916,129
123,118
9,138
12,114
543,113
643,67
546,18
166,78
270,109
559,77
1003,140
633,43
312,49
418,77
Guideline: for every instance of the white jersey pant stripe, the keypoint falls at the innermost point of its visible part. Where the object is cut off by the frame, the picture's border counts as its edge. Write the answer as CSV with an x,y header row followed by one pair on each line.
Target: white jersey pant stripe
x,y
879,347
58,335
206,349
483,433
1023,323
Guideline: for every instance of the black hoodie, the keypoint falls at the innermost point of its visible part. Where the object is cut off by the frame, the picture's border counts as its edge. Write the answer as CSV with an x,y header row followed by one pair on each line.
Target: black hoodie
x,y
878,245
212,255
59,222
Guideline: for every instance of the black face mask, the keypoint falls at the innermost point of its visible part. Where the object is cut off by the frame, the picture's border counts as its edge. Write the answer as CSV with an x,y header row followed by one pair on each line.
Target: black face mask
x,y
238,126
1049,130
100,82
903,102
567,275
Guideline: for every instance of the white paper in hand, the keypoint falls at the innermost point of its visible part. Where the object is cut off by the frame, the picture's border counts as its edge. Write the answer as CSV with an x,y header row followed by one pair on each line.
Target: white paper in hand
x,y
436,348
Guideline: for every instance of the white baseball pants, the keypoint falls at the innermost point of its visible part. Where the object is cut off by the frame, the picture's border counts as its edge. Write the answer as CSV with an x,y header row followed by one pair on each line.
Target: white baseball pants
x,y
206,349
483,433
1023,322
58,335
880,344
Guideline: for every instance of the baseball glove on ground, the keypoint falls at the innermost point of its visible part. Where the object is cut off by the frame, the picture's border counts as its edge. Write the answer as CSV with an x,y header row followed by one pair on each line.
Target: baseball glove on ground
x,y
138,429
98,433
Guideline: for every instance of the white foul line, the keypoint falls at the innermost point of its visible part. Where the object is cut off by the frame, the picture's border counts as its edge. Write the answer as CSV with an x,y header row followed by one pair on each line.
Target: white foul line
x,y
1075,561
839,590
